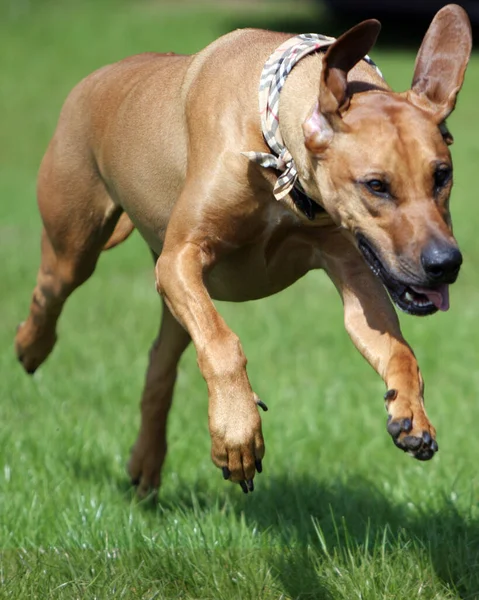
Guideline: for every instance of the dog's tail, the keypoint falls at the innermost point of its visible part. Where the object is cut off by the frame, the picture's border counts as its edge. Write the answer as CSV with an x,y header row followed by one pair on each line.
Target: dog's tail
x,y
122,230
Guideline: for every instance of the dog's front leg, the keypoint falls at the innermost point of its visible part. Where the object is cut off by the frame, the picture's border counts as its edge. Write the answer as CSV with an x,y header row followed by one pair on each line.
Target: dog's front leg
x,y
373,326
234,422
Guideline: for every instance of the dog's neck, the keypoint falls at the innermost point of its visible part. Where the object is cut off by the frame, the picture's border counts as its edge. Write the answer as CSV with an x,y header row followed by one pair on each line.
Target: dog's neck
x,y
298,97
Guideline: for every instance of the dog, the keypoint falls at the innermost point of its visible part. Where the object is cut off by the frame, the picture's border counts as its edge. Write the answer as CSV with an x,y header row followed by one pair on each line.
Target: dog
x,y
245,166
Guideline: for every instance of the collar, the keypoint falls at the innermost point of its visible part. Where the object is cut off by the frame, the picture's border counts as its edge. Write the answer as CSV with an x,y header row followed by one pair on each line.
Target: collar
x,y
272,80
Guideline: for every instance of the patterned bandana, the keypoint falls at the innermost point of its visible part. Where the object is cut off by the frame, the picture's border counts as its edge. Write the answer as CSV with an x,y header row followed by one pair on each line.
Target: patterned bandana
x,y
272,80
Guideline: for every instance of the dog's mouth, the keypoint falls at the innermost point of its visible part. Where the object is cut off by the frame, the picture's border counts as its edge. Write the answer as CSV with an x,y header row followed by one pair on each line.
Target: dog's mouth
x,y
412,299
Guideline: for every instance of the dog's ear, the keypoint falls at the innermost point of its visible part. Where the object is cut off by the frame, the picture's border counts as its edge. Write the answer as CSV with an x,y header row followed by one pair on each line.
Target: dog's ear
x,y
317,132
339,59
441,62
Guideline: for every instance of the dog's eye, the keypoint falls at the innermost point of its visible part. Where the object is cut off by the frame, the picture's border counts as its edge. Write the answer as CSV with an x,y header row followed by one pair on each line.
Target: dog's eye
x,y
442,176
376,186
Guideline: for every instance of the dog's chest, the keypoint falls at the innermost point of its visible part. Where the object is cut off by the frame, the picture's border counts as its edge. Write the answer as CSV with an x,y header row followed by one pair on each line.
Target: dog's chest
x,y
284,253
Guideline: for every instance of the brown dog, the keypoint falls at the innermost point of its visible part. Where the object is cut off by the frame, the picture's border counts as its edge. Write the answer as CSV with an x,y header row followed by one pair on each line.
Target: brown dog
x,y
158,140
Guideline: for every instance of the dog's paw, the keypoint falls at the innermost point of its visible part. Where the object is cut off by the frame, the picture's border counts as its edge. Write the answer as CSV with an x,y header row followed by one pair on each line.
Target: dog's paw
x,y
411,432
32,348
144,467
237,444
420,444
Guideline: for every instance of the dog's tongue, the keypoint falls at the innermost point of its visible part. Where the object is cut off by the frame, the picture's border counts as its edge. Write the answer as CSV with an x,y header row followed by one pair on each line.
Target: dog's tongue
x,y
439,297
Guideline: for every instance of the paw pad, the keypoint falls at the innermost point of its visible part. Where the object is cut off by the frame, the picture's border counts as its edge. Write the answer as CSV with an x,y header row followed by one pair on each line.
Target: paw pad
x,y
422,447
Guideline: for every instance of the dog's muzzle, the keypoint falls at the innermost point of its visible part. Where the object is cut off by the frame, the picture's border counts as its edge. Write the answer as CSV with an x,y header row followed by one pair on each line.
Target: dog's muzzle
x,y
419,300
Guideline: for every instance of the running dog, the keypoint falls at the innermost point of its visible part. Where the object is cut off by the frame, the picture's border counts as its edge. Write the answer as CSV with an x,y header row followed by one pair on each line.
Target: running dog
x,y
243,167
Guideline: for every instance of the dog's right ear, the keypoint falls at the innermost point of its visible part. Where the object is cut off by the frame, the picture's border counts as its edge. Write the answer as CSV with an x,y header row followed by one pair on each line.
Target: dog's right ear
x,y
441,62
339,59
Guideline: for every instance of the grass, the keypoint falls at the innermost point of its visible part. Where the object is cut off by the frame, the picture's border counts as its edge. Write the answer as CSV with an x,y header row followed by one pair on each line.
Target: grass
x,y
339,513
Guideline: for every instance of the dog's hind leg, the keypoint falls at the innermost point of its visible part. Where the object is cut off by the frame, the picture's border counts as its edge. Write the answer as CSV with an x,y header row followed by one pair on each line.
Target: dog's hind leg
x,y
78,217
149,451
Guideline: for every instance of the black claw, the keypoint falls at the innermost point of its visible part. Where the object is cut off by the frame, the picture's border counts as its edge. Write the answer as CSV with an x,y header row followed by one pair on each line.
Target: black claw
x,y
412,442
259,466
434,446
243,487
391,395
407,425
262,404
250,485
426,436
226,472
424,454
394,428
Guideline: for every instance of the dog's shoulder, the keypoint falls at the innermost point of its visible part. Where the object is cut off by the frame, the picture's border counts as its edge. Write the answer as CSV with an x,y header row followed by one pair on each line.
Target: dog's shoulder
x,y
237,56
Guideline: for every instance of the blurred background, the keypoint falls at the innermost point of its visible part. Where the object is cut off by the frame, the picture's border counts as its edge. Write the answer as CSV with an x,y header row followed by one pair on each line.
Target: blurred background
x,y
404,8
65,434
295,341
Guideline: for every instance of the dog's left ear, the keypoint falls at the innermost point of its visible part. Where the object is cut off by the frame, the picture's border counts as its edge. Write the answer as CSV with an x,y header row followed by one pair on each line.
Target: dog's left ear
x,y
441,63
339,59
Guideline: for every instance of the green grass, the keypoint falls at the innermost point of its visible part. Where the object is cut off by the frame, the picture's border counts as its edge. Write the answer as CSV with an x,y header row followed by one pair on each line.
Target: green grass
x,y
338,511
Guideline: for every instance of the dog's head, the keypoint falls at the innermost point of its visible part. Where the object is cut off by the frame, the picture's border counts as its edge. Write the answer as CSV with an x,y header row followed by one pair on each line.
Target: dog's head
x,y
382,163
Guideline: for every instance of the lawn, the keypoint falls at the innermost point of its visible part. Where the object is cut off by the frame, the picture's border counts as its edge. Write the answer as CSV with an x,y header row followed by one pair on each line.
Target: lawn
x,y
339,512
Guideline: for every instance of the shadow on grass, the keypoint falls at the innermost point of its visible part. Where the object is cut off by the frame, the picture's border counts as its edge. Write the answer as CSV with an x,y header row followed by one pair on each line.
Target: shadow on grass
x,y
357,511
349,514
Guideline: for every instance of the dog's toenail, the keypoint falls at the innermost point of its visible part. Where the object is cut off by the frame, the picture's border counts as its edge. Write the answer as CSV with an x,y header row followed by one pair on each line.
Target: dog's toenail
x,y
226,472
262,404
391,395
259,466
250,485
407,425
243,487
434,446
426,436
424,454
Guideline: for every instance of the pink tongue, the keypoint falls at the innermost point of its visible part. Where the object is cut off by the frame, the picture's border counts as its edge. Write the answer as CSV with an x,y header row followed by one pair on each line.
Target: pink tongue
x,y
439,297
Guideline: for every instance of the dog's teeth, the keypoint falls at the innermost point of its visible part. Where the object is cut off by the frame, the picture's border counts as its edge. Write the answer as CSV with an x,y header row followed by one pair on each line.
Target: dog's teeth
x,y
409,296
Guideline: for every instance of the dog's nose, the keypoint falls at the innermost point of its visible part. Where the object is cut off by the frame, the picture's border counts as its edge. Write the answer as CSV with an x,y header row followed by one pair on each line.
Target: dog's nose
x,y
441,262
